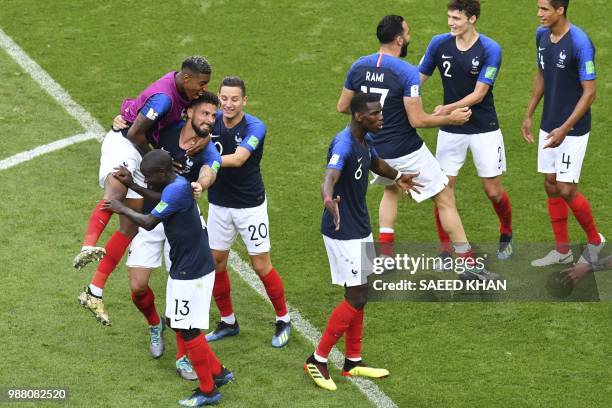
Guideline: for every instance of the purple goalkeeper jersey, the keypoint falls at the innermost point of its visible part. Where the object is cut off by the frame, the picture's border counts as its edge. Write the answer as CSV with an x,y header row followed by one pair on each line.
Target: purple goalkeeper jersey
x,y
165,85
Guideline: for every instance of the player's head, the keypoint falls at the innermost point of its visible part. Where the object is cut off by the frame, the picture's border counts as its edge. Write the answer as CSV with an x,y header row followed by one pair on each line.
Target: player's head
x,y
462,15
202,113
552,11
367,111
157,168
195,74
232,94
393,31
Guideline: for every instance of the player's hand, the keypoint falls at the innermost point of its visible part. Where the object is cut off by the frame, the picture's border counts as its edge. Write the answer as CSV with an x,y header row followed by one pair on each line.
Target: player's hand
x,y
440,110
555,138
177,167
526,130
576,272
119,123
123,175
198,145
460,115
406,182
112,206
196,189
332,207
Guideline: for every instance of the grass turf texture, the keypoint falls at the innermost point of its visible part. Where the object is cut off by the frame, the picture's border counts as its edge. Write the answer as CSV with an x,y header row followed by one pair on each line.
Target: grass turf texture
x,y
294,57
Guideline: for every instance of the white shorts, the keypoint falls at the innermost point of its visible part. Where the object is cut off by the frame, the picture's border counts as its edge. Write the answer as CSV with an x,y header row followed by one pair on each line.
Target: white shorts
x,y
564,160
118,151
225,223
188,302
487,149
349,264
147,248
422,162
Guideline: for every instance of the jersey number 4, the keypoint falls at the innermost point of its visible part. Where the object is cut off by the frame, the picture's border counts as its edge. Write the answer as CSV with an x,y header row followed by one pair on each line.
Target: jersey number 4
x,y
382,91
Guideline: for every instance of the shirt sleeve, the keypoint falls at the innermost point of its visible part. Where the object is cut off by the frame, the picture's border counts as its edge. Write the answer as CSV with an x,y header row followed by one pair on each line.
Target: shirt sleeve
x,y
428,62
211,157
255,133
349,82
156,106
585,57
539,33
338,153
492,63
412,82
175,198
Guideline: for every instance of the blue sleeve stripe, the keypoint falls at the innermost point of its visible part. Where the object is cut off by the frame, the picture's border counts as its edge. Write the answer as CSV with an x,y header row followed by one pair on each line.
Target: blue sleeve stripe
x,y
584,52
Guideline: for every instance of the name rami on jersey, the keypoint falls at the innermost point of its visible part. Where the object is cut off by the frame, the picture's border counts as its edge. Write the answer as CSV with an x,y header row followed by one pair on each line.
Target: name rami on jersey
x,y
375,76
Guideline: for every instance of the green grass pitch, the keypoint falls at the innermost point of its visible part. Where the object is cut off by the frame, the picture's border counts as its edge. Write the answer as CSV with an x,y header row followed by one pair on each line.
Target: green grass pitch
x,y
293,56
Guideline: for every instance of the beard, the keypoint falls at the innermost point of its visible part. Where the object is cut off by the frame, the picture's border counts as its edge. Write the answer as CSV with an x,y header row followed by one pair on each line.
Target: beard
x,y
404,50
198,131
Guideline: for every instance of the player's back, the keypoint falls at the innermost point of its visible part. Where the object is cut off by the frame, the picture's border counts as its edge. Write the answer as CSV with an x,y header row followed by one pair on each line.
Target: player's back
x,y
239,187
460,71
353,159
173,106
392,78
189,249
564,65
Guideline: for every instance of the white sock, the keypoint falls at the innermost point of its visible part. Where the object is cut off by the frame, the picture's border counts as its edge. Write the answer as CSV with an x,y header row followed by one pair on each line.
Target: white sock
x,y
462,248
96,291
355,359
285,318
231,319
386,230
319,358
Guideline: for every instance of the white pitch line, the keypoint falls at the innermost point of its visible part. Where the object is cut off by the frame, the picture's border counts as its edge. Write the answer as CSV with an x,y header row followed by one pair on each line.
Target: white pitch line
x,y
40,150
95,130
303,326
48,84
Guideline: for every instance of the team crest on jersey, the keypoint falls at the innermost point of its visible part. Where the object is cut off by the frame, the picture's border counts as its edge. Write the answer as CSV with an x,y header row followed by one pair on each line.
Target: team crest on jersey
x,y
562,57
475,66
237,139
188,165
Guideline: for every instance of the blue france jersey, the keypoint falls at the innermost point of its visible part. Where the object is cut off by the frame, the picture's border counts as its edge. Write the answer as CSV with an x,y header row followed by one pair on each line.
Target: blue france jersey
x,y
239,187
189,251
353,159
394,79
460,71
564,65
169,141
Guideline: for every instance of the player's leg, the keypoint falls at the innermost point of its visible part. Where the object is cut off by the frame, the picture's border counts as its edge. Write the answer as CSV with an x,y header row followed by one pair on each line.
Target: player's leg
x,y
387,215
115,249
276,293
489,154
116,150
357,297
451,152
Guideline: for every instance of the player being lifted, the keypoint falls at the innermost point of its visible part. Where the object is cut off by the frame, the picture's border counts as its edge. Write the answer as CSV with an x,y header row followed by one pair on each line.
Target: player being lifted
x,y
238,206
191,279
566,80
347,234
398,143
148,247
469,63
161,104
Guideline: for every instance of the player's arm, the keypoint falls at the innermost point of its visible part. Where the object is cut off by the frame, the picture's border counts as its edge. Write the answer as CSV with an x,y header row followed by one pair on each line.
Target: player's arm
x,y
236,159
419,119
146,221
330,179
382,168
125,177
556,136
153,110
423,78
474,98
344,102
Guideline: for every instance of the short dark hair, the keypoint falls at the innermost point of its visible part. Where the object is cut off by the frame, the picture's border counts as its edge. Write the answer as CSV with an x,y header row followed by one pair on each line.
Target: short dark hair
x,y
156,159
206,97
360,101
197,65
389,27
233,81
560,3
469,7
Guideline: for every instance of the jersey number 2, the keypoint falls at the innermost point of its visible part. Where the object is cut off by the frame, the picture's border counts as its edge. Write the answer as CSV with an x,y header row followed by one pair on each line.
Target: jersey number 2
x,y
447,67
